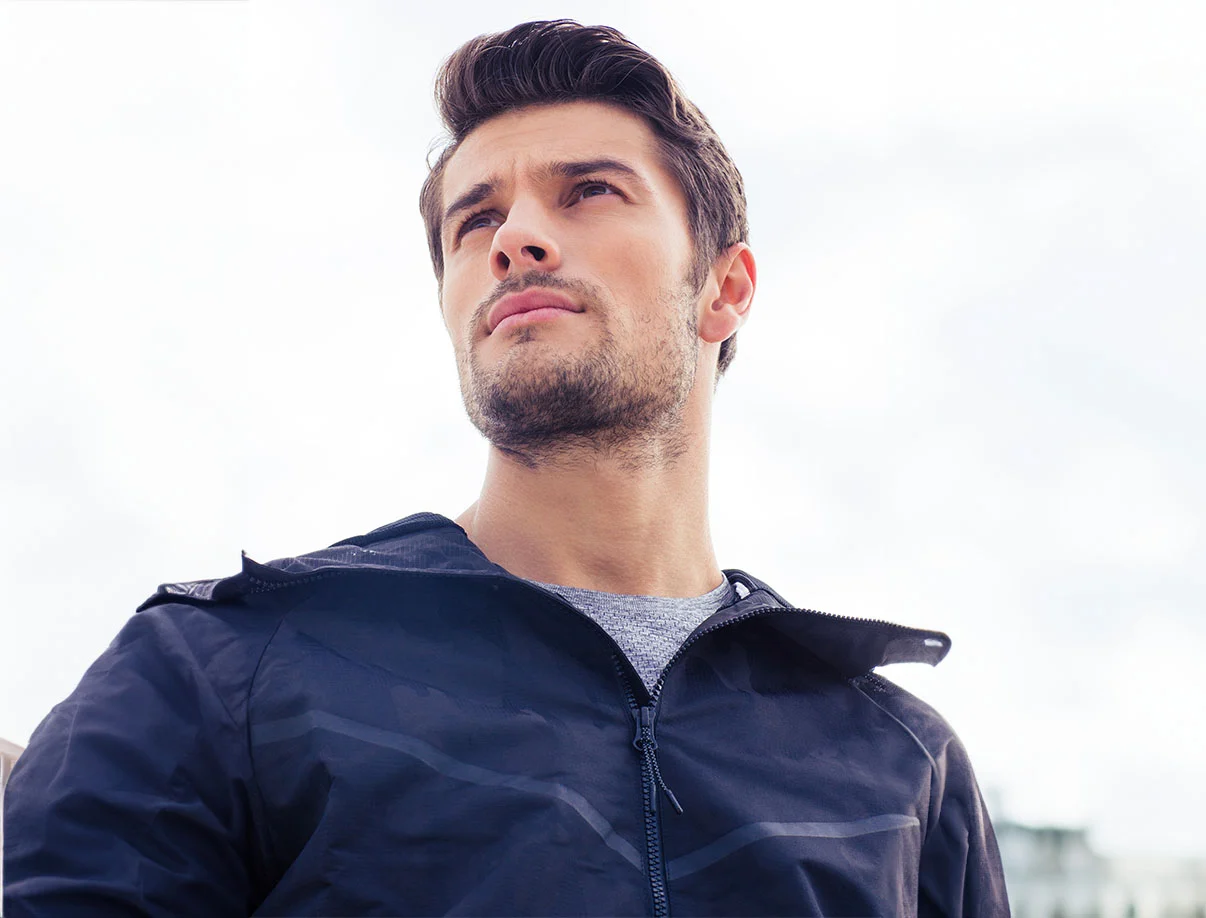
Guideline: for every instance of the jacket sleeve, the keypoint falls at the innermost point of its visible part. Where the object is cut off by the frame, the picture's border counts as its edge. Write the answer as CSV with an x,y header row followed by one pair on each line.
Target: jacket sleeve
x,y
132,797
961,872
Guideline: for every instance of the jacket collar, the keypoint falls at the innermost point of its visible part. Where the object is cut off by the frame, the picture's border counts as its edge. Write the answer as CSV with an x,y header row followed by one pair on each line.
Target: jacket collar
x,y
428,543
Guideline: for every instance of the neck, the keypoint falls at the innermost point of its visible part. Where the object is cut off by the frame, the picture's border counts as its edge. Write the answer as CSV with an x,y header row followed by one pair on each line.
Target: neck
x,y
602,521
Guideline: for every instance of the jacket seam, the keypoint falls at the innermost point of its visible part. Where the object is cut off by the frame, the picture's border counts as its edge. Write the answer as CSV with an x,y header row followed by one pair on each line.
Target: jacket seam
x,y
253,781
169,622
254,777
929,822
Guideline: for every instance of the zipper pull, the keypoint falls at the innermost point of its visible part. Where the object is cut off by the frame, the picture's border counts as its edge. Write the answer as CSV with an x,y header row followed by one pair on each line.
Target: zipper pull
x,y
669,793
646,743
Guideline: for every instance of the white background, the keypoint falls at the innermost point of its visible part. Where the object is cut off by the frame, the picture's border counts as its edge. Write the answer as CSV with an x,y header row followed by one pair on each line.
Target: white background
x,y
970,396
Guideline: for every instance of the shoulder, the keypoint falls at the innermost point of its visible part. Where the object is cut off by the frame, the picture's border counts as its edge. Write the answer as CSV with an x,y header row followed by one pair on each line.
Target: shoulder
x,y
222,626
423,542
213,646
929,729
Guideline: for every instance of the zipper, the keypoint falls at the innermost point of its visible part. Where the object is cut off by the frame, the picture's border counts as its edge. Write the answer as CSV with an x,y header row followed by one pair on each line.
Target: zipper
x,y
651,784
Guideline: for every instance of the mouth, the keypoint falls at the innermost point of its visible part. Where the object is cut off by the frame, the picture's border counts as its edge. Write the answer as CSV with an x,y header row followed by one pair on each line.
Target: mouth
x,y
534,304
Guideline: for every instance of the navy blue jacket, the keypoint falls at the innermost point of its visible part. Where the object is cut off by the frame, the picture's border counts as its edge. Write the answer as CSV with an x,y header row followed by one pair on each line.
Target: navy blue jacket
x,y
397,726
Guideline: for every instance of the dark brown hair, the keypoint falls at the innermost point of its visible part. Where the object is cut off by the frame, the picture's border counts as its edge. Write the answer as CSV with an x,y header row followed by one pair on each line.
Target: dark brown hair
x,y
540,63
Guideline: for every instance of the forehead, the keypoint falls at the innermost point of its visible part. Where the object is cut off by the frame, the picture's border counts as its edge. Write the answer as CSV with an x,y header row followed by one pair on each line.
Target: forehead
x,y
520,141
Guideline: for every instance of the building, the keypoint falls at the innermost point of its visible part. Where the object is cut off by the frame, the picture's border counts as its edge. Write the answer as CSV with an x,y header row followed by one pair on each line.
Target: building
x,y
1054,873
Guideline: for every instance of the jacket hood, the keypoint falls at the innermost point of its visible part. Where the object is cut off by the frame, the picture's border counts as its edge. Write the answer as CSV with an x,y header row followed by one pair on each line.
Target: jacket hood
x,y
428,544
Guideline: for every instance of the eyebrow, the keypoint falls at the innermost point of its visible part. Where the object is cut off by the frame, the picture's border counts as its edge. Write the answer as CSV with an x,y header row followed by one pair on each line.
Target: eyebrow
x,y
556,169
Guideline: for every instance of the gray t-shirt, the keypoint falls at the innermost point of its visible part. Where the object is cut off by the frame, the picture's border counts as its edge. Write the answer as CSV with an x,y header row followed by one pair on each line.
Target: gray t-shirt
x,y
649,629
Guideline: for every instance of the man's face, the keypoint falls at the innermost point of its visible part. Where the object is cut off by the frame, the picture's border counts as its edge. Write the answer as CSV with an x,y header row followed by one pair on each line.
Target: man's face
x,y
610,238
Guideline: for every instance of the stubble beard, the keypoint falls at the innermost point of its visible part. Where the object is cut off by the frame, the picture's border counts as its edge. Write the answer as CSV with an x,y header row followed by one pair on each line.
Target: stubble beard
x,y
542,407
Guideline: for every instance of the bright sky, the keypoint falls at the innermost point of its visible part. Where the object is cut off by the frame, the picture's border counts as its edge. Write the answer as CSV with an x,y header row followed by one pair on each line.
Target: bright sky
x,y
970,396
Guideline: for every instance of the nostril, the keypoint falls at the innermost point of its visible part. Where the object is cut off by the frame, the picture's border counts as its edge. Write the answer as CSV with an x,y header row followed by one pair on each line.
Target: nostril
x,y
535,251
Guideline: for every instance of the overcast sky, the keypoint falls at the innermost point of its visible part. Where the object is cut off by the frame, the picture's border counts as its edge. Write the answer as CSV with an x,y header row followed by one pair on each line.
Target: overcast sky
x,y
970,395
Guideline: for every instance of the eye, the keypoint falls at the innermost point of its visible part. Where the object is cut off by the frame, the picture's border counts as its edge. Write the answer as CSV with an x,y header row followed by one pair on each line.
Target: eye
x,y
584,186
470,222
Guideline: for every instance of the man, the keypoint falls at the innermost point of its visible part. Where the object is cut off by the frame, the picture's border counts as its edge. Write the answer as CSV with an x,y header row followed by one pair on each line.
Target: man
x,y
558,704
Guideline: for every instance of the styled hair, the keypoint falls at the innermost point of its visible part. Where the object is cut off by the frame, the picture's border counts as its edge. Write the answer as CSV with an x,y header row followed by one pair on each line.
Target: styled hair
x,y
542,63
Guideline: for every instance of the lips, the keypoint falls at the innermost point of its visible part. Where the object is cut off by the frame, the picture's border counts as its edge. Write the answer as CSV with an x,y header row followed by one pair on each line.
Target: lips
x,y
515,303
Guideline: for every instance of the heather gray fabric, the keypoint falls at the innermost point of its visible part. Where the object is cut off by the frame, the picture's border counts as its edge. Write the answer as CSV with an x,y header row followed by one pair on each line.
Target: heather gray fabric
x,y
649,629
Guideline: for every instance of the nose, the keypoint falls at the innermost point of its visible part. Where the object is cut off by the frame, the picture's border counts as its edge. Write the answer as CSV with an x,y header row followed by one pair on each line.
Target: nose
x,y
523,243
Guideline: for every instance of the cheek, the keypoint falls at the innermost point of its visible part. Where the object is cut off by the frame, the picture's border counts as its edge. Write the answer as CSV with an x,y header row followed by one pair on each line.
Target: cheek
x,y
653,257
456,309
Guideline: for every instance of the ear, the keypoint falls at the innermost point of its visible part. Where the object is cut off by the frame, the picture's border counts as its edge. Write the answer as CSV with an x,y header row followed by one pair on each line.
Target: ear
x,y
734,277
